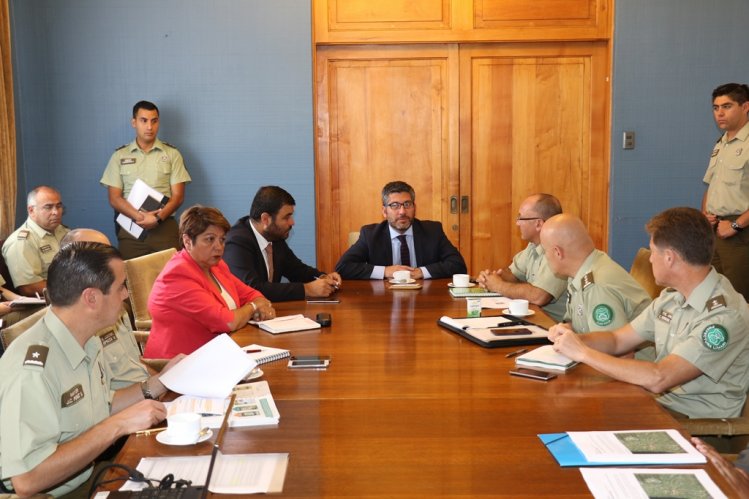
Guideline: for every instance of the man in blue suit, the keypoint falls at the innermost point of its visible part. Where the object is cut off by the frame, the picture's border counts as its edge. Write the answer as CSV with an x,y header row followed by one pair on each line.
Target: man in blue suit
x,y
401,242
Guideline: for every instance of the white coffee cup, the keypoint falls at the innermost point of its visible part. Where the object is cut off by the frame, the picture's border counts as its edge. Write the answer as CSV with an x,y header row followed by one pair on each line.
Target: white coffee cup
x,y
183,427
402,275
519,307
461,280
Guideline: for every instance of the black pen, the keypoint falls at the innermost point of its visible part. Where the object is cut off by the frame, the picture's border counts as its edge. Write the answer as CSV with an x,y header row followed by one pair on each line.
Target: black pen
x,y
516,352
511,324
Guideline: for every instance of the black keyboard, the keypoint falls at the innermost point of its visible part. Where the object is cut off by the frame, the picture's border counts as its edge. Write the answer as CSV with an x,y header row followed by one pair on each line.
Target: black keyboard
x,y
181,493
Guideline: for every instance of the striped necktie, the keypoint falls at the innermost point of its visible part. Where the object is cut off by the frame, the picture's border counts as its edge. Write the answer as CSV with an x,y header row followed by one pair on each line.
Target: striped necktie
x,y
405,254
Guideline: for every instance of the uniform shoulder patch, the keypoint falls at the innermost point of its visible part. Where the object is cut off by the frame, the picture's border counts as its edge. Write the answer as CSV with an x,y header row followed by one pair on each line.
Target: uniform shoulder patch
x,y
168,144
715,337
121,147
23,234
715,303
587,280
715,151
36,355
603,315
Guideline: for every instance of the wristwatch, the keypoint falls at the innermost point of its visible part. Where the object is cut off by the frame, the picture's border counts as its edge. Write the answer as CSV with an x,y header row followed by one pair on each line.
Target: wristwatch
x,y
146,391
735,226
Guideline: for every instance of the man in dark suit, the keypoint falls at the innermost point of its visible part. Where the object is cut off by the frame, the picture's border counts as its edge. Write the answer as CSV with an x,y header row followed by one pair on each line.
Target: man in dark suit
x,y
257,253
401,242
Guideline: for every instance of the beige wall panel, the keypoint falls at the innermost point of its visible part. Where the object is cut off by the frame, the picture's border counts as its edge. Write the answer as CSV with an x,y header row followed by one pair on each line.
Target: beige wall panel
x,y
388,118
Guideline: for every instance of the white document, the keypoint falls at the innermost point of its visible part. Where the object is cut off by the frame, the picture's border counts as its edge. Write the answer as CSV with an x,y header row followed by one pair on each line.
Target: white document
x,y
633,483
545,358
210,371
232,473
287,324
636,446
138,195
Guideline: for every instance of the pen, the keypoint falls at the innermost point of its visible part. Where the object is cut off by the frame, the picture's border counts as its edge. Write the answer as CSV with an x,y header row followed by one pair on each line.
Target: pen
x,y
254,351
148,432
511,324
516,352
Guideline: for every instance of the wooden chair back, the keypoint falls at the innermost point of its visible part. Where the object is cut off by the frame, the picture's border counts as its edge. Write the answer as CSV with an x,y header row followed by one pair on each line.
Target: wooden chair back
x,y
642,271
141,274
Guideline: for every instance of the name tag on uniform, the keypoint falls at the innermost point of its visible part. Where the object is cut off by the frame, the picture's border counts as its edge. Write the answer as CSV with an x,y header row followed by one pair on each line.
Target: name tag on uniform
x,y
108,338
45,249
72,396
127,161
665,317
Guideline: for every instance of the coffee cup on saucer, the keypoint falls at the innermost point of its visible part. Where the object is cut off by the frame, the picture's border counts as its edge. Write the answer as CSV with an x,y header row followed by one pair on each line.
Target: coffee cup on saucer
x,y
461,280
518,307
183,428
401,275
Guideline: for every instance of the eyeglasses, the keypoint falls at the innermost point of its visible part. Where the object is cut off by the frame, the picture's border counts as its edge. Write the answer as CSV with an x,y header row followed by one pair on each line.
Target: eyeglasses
x,y
397,206
521,219
50,207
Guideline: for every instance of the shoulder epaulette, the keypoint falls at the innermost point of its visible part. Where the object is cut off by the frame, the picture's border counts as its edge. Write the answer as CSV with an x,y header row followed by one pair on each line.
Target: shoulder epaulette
x,y
587,280
168,144
715,302
121,147
718,141
23,234
36,355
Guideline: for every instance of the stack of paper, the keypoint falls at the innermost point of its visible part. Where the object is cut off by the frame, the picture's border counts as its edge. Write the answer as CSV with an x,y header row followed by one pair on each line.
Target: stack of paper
x,y
287,324
545,358
625,483
254,406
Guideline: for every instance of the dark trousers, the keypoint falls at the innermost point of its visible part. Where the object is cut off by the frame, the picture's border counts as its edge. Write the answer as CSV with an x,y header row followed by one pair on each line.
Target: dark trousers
x,y
731,259
163,237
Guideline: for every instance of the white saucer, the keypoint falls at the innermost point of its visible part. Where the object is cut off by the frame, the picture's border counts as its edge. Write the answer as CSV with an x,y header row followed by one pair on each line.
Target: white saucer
x,y
470,285
164,438
507,312
407,281
254,374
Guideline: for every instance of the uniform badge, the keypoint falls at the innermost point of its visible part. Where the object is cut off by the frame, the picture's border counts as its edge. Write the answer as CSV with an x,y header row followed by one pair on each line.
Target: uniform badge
x,y
36,355
603,315
587,280
23,234
715,152
738,151
45,249
127,161
665,316
715,302
72,396
715,337
164,158
108,338
579,311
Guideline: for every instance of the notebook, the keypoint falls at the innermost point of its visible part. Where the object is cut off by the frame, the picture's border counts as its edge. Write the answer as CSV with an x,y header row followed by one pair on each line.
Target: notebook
x,y
545,358
266,354
287,324
476,292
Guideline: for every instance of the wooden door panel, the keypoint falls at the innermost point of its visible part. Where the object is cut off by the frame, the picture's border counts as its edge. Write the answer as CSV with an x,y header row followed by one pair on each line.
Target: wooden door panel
x,y
383,115
527,118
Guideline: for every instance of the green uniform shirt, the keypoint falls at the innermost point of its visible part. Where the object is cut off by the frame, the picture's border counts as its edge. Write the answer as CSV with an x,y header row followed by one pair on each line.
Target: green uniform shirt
x,y
531,266
160,168
710,330
727,175
51,391
122,354
29,251
603,296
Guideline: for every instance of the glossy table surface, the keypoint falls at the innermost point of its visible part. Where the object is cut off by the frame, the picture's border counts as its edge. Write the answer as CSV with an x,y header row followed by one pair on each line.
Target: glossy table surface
x,y
410,409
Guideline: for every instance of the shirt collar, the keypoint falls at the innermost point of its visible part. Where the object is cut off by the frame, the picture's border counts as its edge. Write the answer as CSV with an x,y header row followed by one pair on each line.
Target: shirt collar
x,y
585,268
37,229
157,144
703,292
261,241
394,233
70,347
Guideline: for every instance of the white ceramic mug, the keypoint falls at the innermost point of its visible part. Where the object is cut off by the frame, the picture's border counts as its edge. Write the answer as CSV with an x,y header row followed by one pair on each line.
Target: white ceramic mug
x,y
402,275
461,280
519,307
183,427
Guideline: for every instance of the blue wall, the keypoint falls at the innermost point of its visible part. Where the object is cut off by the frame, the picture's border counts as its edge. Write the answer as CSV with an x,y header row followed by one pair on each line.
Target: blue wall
x,y
232,78
233,81
668,57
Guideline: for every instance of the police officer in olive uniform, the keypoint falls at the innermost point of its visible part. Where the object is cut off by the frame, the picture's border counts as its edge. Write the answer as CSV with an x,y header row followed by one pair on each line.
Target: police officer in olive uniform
x,y
699,324
158,164
602,295
55,409
29,250
726,199
529,275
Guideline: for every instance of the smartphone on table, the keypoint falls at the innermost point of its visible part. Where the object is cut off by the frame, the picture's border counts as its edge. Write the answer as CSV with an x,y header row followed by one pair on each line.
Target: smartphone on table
x,y
524,372
308,362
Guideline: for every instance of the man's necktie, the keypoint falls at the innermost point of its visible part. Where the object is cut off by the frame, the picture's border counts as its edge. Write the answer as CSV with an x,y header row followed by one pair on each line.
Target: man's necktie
x,y
269,255
405,254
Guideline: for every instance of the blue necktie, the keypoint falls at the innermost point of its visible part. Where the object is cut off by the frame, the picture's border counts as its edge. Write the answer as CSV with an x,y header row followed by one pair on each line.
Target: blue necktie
x,y
405,254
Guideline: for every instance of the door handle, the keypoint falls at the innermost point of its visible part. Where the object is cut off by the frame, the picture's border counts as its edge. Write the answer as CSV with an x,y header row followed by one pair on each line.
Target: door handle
x,y
453,205
464,204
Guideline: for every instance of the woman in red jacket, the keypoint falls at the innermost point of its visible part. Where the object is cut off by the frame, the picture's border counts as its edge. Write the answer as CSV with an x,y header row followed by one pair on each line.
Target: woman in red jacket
x,y
196,296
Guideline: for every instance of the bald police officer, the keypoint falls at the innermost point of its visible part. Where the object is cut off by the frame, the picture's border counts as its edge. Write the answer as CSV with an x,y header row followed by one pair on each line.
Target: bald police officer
x,y
700,327
28,251
158,164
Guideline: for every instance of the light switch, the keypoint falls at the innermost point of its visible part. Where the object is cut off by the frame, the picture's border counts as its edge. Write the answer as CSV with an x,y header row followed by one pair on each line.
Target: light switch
x,y
628,140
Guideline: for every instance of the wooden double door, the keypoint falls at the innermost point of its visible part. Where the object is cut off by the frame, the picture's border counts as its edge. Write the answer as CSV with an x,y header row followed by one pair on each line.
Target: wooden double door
x,y
474,128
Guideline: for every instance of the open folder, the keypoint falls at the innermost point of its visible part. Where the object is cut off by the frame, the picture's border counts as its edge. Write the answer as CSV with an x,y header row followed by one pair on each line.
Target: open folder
x,y
493,332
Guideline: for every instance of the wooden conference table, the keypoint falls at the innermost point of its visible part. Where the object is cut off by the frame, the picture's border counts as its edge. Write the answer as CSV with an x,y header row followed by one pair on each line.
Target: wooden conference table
x,y
410,409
